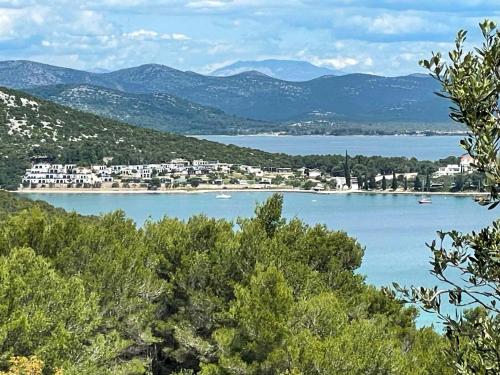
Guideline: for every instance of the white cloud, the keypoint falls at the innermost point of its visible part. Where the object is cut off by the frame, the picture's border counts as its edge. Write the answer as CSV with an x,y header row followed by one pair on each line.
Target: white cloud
x,y
21,22
6,24
395,23
150,35
385,37
141,34
206,4
177,36
336,62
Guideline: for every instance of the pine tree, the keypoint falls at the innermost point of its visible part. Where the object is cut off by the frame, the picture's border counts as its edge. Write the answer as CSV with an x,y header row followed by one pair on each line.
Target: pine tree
x,y
347,171
360,182
405,181
384,183
417,184
372,183
427,182
394,184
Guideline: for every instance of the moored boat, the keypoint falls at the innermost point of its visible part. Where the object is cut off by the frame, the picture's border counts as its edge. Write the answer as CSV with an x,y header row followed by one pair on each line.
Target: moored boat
x,y
425,201
223,196
482,199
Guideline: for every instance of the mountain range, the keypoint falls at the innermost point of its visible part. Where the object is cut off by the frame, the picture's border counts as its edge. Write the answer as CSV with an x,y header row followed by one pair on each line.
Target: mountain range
x,y
252,95
286,70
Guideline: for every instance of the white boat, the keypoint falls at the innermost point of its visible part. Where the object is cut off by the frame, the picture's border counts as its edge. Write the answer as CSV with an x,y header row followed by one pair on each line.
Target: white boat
x,y
223,196
425,201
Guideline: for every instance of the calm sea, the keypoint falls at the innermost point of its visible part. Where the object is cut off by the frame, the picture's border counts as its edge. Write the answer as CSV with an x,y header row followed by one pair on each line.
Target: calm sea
x,y
394,228
424,148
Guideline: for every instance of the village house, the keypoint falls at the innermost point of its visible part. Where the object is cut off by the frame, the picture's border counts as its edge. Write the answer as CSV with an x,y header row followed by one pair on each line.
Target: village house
x,y
466,163
465,166
449,170
257,171
176,172
314,173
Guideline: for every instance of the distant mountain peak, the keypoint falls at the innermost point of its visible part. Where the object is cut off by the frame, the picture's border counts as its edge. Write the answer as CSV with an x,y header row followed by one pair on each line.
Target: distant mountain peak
x,y
252,73
419,75
287,70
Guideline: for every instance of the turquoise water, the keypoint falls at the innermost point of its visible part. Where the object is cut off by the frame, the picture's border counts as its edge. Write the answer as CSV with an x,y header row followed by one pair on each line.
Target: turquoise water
x,y
394,228
424,148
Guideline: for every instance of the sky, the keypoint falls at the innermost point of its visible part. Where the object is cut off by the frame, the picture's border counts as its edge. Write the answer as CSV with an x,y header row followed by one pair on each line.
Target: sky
x,y
385,37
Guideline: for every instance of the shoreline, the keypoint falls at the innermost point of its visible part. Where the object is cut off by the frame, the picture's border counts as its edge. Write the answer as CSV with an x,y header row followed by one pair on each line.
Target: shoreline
x,y
218,191
278,134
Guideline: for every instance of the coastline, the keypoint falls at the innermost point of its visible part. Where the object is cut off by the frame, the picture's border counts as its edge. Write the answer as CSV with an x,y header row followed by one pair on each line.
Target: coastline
x,y
430,133
238,190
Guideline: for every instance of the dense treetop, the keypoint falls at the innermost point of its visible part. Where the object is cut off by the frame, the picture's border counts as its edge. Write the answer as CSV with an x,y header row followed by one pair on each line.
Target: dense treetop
x,y
267,296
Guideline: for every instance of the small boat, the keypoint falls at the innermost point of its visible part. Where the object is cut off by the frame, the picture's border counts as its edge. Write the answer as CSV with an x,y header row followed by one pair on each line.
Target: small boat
x,y
223,196
425,201
482,199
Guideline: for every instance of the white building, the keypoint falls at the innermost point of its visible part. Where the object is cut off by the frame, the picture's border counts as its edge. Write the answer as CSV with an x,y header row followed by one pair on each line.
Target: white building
x,y
257,171
58,175
466,163
449,170
314,173
465,166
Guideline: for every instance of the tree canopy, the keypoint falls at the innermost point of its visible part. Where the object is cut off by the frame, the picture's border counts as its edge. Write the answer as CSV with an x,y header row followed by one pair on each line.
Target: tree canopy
x,y
264,295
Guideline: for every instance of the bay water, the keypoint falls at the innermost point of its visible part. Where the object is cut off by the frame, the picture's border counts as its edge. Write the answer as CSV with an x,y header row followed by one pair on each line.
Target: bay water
x,y
420,147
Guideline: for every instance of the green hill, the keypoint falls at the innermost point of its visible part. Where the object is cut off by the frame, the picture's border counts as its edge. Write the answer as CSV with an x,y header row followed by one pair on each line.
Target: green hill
x,y
32,127
156,111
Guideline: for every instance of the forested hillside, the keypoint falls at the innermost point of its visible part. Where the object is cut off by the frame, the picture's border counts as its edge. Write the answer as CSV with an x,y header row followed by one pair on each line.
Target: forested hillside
x,y
99,296
156,111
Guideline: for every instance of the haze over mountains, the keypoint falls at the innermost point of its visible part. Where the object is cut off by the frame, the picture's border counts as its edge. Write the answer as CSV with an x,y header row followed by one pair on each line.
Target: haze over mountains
x,y
253,95
286,70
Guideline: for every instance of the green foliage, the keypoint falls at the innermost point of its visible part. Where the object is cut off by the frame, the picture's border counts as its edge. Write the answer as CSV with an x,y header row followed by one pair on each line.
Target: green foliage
x,y
268,214
471,81
347,171
417,183
468,265
43,312
96,295
94,270
309,184
394,182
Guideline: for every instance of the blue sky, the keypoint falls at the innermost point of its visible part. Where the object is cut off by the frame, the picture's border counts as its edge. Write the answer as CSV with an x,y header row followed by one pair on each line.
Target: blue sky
x,y
385,37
